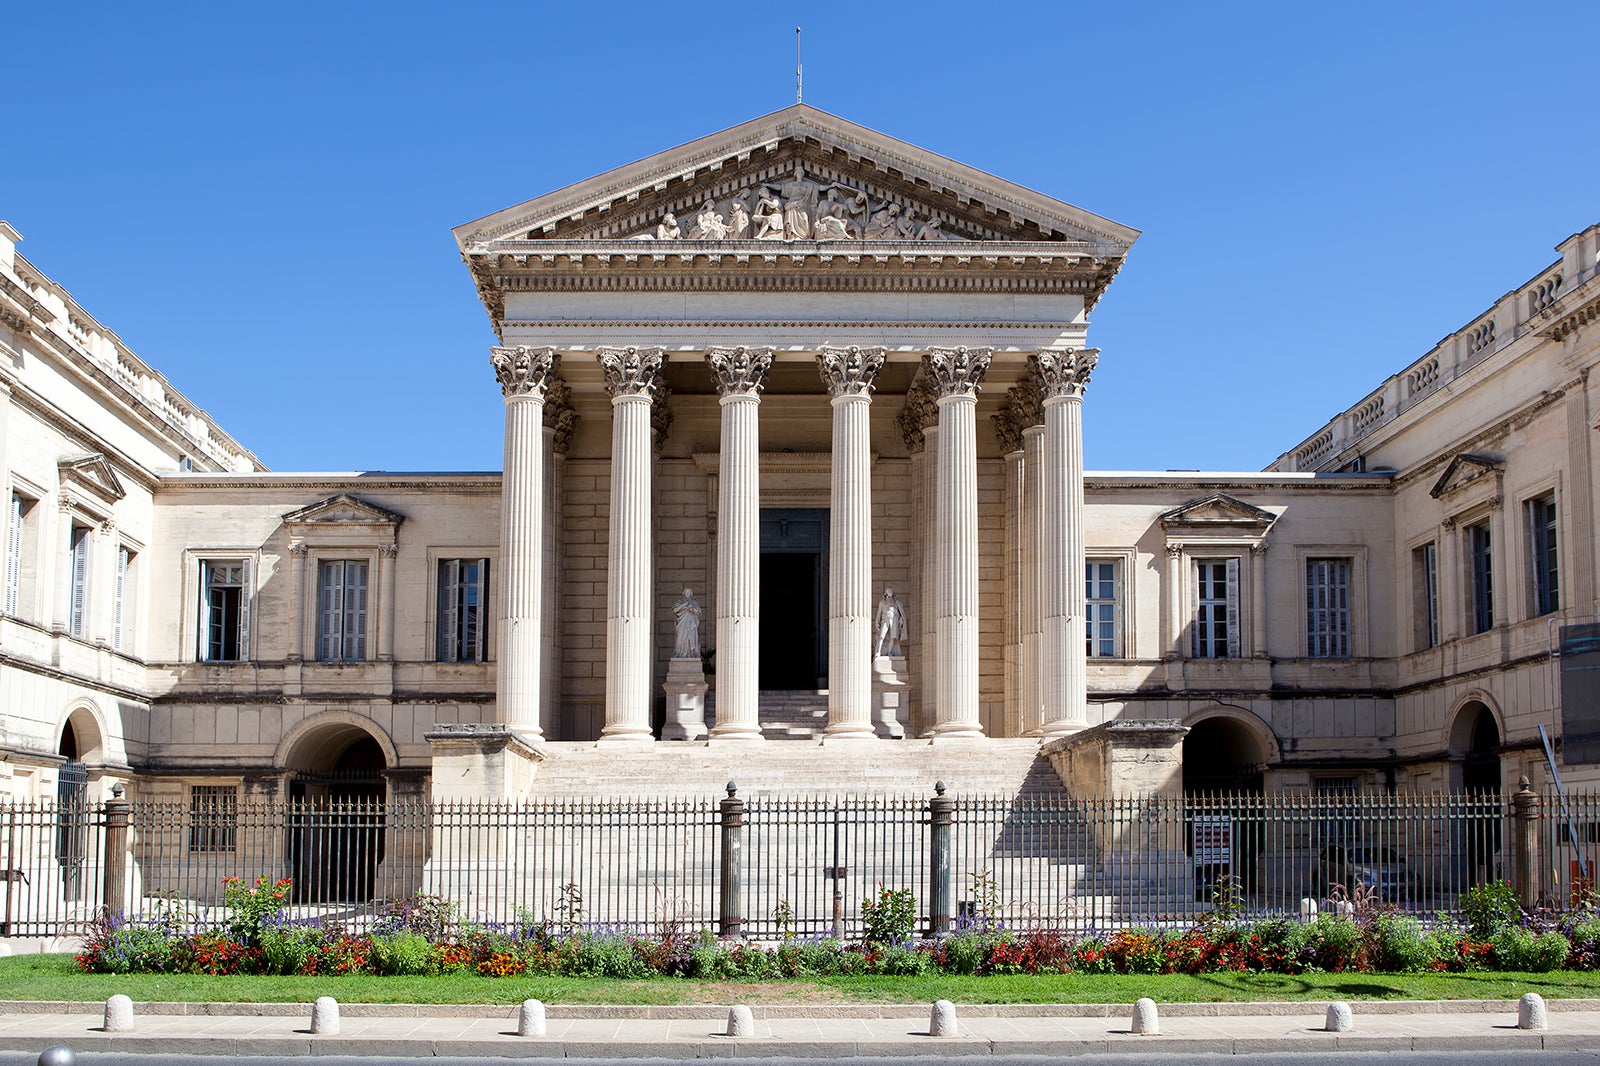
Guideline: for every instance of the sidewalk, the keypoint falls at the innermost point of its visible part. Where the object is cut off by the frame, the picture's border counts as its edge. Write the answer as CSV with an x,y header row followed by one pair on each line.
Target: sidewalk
x,y
802,1031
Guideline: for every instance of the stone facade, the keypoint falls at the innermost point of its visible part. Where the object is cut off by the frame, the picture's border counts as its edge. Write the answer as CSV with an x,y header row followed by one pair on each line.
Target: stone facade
x,y
788,366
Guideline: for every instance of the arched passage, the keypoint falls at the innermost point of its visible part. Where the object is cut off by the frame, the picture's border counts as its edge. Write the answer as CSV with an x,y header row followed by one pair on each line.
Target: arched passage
x,y
1475,743
337,791
1221,753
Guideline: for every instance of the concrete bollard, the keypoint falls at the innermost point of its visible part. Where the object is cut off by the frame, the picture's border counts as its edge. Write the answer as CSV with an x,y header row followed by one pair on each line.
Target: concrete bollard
x,y
119,1015
1530,1012
1308,910
59,1055
325,1017
741,1022
1340,1018
1146,1022
530,1019
943,1020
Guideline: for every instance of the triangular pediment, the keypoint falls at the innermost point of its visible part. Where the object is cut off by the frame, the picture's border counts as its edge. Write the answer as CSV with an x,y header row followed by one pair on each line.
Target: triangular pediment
x,y
343,510
1218,509
94,473
798,175
1464,470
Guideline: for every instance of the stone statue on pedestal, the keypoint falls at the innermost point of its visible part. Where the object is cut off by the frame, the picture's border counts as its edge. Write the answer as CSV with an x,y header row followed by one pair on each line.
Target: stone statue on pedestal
x,y
890,624
687,613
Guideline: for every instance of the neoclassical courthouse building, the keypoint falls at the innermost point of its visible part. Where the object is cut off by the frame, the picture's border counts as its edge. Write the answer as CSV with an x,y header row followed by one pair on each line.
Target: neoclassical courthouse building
x,y
790,367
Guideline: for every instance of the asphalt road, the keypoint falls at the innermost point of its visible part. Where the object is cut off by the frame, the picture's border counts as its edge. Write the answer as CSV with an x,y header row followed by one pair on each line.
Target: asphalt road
x,y
1385,1058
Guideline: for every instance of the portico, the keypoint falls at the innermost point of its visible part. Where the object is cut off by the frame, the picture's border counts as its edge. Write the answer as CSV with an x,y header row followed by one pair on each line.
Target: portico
x,y
799,316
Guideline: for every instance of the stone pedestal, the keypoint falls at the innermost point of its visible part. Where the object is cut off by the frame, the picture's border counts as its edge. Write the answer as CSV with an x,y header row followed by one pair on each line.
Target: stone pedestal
x,y
890,706
481,762
686,700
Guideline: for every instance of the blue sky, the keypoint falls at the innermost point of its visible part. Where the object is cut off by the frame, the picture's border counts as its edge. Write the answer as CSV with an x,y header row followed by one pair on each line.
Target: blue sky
x,y
258,200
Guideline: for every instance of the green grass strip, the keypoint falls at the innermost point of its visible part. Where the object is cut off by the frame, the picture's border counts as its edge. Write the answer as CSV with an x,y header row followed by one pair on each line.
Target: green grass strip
x,y
54,977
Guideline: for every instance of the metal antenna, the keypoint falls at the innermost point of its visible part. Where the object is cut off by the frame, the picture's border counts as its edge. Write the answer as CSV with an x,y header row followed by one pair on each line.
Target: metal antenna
x,y
797,64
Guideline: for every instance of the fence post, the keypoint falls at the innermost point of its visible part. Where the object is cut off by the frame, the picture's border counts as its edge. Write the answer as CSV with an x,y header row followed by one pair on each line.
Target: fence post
x,y
730,919
1525,848
116,852
941,813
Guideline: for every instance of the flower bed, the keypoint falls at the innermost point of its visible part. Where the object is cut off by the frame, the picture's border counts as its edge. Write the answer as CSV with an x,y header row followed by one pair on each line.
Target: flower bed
x,y
423,936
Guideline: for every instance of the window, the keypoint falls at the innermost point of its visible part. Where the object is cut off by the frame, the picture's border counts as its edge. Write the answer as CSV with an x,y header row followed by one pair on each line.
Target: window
x,y
342,615
1328,608
122,605
1481,560
16,527
1546,583
224,610
462,583
1425,590
1216,603
1100,608
213,817
78,609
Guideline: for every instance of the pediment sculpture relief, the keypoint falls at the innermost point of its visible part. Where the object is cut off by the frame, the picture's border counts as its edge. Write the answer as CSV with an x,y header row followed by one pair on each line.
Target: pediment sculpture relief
x,y
799,209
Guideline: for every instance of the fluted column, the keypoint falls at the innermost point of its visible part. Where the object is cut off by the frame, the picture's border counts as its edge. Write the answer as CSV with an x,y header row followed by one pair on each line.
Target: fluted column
x,y
632,375
957,373
524,374
1062,376
849,374
559,421
740,374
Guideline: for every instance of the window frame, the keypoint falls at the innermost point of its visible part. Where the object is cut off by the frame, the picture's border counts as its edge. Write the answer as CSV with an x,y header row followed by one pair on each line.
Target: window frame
x,y
193,636
1544,553
21,518
448,637
1336,642
1427,627
80,569
1231,643
353,630
213,827
1478,550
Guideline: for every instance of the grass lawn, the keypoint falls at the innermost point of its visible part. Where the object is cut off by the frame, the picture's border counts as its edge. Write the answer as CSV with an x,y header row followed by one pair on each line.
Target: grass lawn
x,y
54,977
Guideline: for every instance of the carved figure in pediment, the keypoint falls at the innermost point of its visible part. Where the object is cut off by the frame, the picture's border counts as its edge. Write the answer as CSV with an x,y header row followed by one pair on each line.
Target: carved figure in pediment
x,y
738,221
906,227
668,229
799,198
931,230
838,220
884,225
708,224
768,218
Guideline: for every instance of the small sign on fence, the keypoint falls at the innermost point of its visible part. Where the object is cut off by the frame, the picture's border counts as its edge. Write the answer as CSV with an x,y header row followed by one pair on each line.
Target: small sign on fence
x,y
1213,839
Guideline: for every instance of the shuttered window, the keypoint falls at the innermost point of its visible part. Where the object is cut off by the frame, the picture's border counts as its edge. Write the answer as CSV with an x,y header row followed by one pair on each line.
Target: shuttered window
x,y
462,587
14,519
1216,602
1480,553
78,613
342,614
1542,539
121,608
1328,608
1100,608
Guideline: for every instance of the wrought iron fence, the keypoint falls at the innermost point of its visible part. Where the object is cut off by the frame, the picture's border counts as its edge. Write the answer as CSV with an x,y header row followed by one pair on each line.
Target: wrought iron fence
x,y
790,864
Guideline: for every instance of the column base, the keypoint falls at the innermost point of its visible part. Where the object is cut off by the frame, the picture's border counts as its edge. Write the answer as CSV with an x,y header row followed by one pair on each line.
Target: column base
x,y
628,738
736,734
956,732
852,733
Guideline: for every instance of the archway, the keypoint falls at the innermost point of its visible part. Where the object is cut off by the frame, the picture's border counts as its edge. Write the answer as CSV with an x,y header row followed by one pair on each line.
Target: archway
x,y
72,796
337,815
1222,754
1475,741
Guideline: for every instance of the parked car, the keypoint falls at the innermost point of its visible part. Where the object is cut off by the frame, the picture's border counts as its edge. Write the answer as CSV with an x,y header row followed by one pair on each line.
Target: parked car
x,y
1366,867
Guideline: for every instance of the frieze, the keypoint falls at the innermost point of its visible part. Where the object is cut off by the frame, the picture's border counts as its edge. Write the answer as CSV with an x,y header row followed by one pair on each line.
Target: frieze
x,y
850,371
524,370
739,371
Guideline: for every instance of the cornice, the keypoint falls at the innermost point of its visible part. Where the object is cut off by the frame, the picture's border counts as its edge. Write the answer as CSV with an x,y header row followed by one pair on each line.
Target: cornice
x,y
1106,483
73,430
468,482
1494,433
843,326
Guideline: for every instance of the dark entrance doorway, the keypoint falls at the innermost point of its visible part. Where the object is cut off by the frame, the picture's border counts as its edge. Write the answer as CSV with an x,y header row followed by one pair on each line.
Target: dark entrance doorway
x,y
794,598
336,828
72,816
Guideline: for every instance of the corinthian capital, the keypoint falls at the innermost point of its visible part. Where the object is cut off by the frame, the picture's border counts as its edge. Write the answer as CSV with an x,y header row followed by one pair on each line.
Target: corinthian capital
x,y
524,371
958,371
739,371
849,371
1008,428
631,371
1063,373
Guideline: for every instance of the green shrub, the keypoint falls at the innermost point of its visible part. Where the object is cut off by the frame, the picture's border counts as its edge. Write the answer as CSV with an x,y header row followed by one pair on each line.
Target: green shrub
x,y
598,955
403,953
903,962
119,948
1489,908
1335,942
889,918
1278,943
1517,949
251,907
1397,944
286,949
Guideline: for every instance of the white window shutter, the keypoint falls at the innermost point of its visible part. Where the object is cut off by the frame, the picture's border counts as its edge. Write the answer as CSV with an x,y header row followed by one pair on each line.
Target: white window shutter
x,y
14,556
332,611
118,604
246,605
356,608
1233,607
449,582
80,581
1194,609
